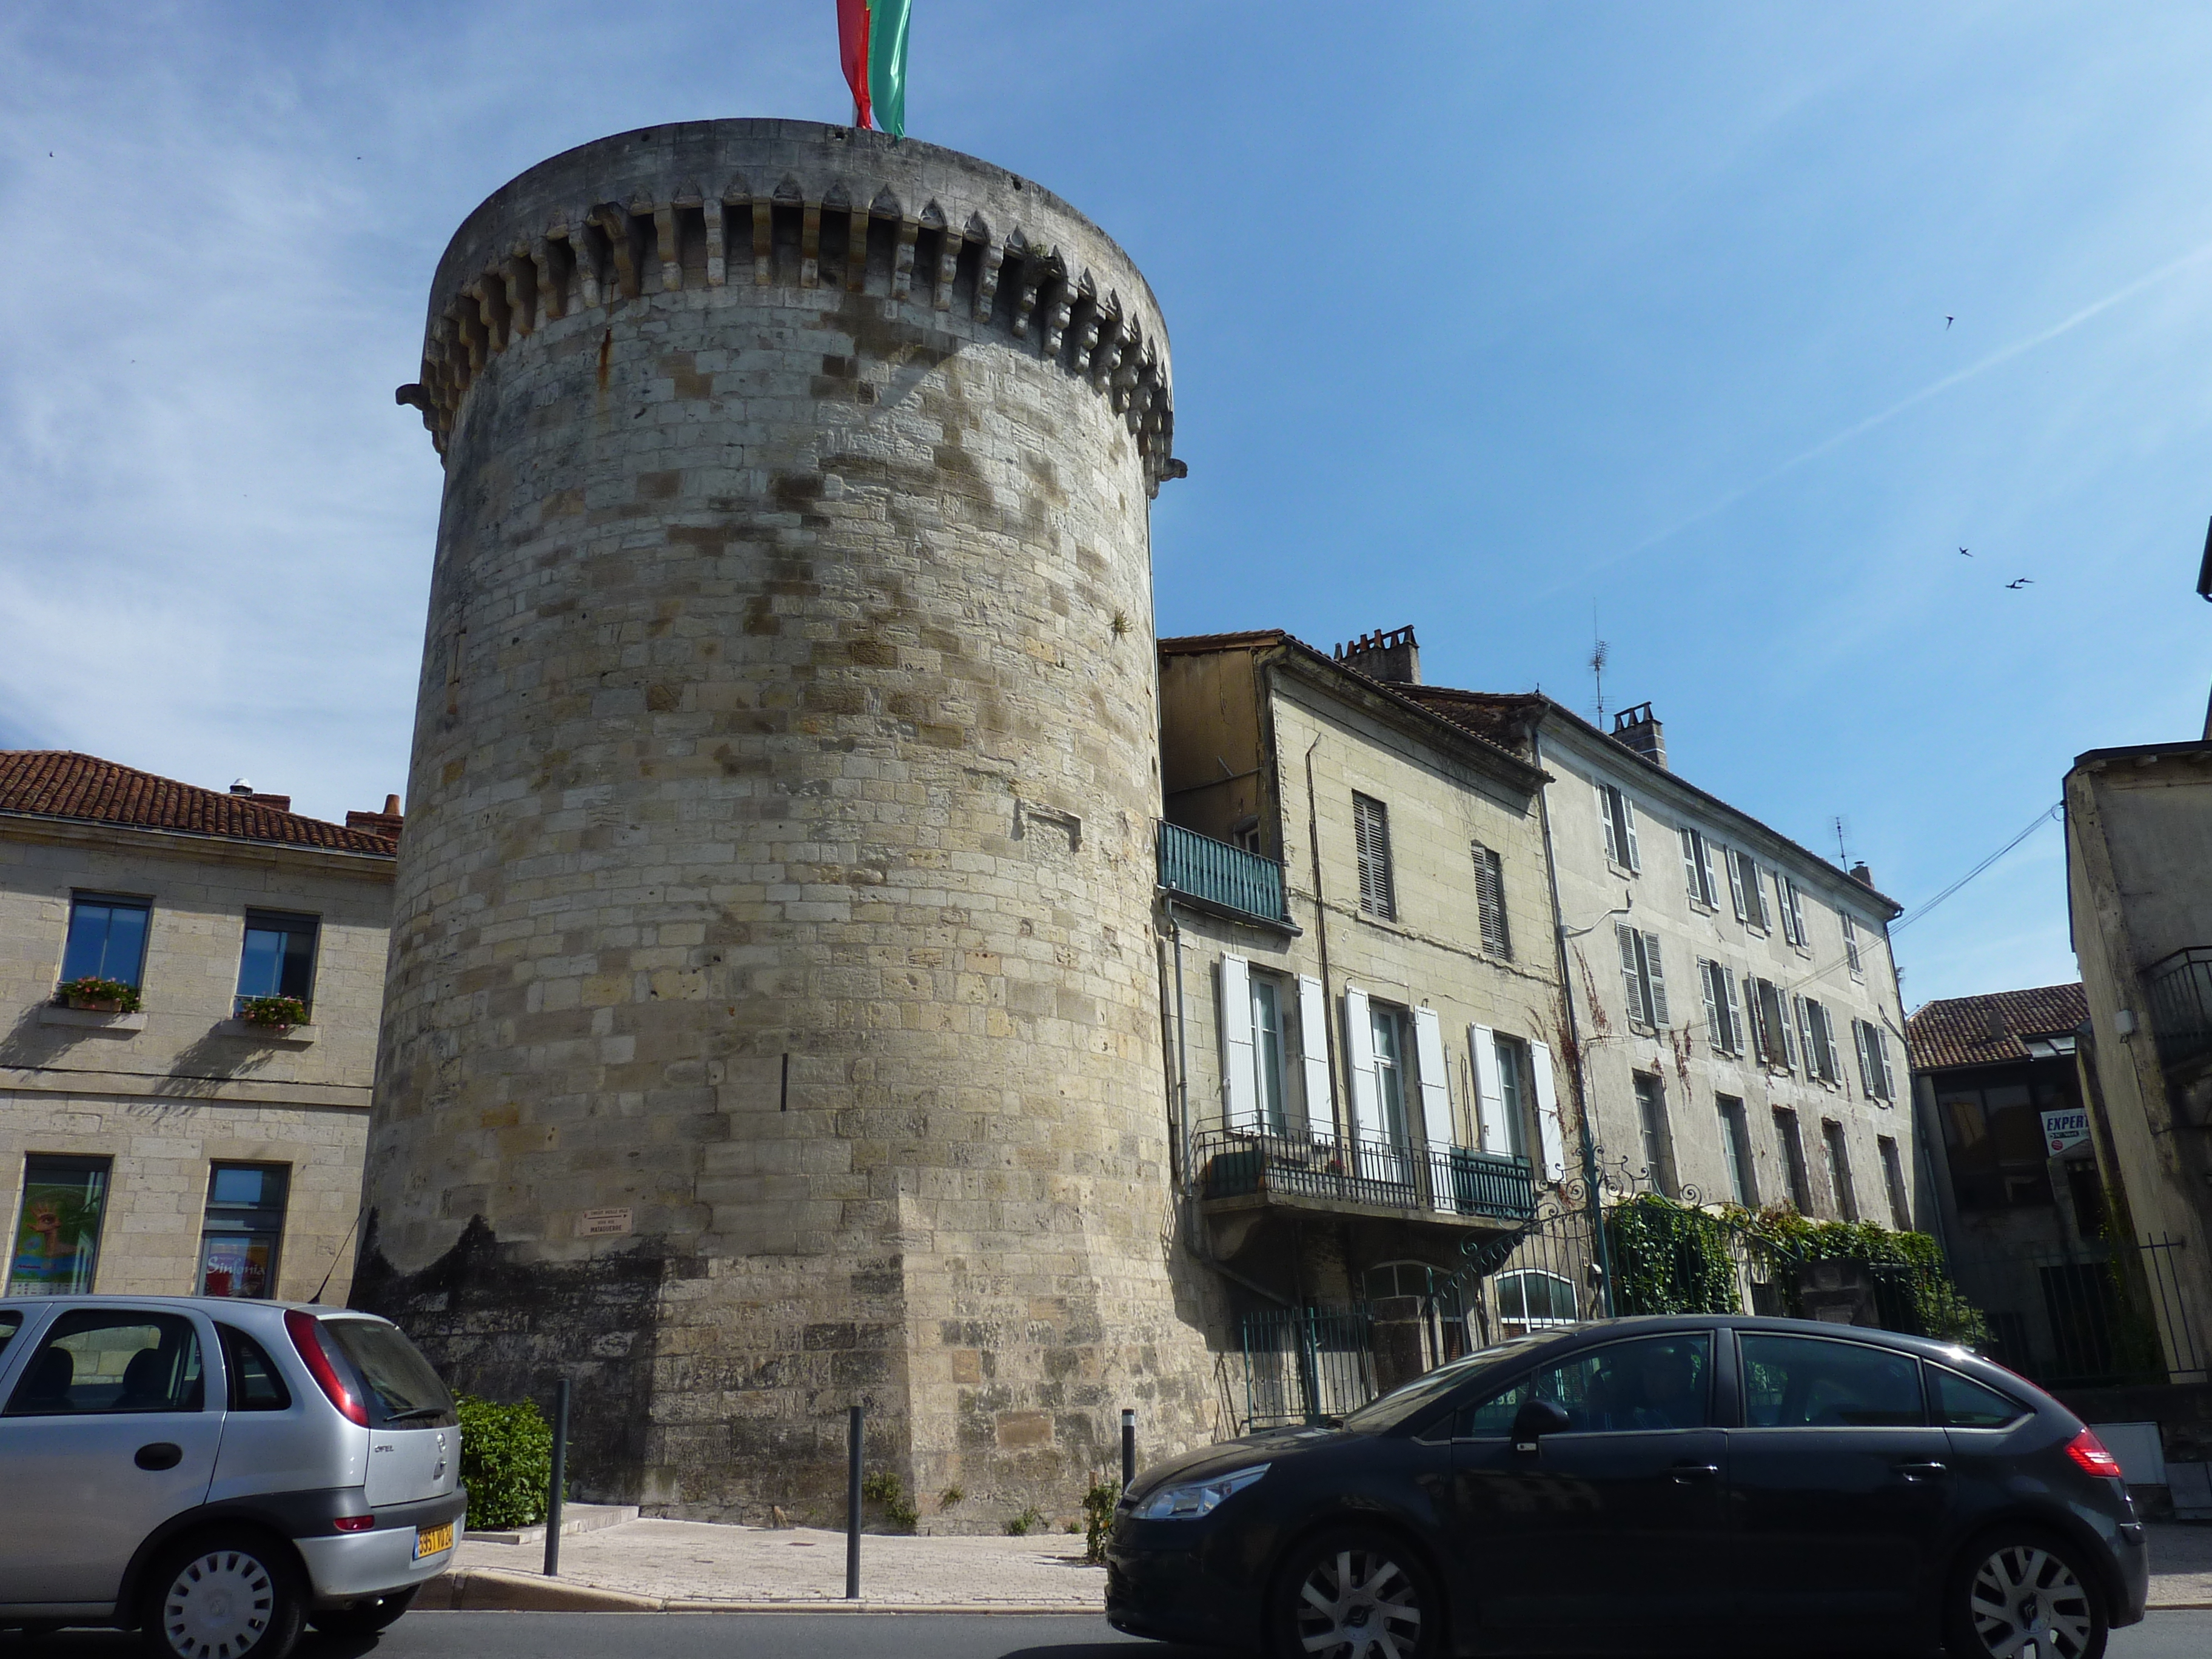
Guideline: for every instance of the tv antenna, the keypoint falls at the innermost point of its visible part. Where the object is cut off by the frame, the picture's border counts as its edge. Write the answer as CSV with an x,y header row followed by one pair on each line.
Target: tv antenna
x,y
1598,655
1842,857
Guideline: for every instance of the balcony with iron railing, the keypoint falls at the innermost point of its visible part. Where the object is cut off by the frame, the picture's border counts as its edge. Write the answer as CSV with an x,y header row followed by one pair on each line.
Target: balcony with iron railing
x,y
1216,876
2180,992
1365,1175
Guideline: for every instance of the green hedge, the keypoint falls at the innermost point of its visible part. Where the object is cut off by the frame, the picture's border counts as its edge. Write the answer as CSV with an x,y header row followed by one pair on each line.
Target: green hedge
x,y
506,1461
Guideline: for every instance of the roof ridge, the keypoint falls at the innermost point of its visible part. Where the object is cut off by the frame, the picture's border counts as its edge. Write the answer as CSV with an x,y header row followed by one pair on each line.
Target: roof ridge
x,y
69,784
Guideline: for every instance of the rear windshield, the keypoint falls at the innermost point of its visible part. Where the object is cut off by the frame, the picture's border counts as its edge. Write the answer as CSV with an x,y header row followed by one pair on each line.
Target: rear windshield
x,y
403,1392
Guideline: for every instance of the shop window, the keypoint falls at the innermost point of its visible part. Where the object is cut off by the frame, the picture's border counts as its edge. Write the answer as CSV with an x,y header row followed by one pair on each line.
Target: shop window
x,y
244,1229
57,1250
107,939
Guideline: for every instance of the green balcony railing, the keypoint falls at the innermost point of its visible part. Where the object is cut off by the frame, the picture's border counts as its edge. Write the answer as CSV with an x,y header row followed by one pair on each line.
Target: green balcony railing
x,y
1214,873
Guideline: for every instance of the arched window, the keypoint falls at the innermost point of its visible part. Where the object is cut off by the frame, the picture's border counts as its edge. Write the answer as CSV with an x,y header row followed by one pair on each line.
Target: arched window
x,y
1529,1299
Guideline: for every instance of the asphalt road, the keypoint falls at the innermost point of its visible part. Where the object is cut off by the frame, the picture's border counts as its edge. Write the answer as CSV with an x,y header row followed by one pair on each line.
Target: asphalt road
x,y
830,1636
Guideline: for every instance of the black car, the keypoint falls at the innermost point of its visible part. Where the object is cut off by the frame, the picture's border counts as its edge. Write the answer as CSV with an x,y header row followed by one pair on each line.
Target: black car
x,y
1648,1484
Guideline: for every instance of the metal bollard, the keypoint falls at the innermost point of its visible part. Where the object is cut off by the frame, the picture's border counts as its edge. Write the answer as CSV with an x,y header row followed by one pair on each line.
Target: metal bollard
x,y
1128,1448
852,1508
559,1482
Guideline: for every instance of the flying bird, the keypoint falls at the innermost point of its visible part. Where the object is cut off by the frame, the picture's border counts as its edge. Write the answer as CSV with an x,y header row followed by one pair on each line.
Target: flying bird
x,y
1947,321
2024,581
1964,550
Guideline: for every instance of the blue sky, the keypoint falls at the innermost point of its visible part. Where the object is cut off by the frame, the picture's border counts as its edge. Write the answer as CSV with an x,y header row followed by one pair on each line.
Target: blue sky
x,y
1482,316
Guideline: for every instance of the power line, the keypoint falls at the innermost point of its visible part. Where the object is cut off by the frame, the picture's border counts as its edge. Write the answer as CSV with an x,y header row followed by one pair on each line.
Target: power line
x,y
2050,813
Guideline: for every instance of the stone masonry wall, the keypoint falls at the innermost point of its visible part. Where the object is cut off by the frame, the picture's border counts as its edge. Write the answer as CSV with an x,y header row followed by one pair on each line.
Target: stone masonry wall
x,y
770,1023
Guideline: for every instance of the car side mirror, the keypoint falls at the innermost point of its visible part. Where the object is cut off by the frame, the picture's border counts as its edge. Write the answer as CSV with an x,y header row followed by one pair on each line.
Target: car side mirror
x,y
1536,1419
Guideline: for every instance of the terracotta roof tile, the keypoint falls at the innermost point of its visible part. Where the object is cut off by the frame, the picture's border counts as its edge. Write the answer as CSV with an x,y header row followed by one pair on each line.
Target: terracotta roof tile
x,y
1986,1031
51,783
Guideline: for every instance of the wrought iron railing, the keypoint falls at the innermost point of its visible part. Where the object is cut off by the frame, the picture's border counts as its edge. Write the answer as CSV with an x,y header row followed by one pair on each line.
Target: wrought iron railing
x,y
1305,1364
1215,872
2089,1315
1382,1174
2180,988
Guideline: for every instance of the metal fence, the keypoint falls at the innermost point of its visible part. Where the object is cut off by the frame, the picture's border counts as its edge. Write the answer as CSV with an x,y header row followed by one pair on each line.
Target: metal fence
x,y
1383,1174
1305,1364
2090,1315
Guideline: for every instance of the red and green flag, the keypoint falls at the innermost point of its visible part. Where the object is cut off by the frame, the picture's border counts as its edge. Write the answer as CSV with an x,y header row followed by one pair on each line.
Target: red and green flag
x,y
871,40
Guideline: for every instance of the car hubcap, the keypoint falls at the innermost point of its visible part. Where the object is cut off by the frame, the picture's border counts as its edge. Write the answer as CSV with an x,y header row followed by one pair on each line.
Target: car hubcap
x,y
2024,1597
1358,1604
218,1607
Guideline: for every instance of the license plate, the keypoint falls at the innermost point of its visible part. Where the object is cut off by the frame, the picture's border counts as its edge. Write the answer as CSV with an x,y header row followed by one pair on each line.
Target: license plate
x,y
429,1540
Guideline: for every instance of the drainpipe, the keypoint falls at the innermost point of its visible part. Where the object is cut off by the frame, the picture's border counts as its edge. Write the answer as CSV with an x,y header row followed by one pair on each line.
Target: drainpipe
x,y
1182,1057
1320,934
1574,1033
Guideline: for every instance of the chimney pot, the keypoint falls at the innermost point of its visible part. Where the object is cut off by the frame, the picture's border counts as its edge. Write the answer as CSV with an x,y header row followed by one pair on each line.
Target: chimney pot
x,y
1391,655
1638,730
1861,875
392,807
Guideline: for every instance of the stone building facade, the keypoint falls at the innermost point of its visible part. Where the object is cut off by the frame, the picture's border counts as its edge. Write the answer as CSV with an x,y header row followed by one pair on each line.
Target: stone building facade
x,y
771,1022
1360,989
175,1149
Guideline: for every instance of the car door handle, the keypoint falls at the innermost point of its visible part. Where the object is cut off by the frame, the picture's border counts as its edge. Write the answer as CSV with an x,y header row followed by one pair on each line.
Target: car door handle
x,y
1924,1471
1683,1473
161,1455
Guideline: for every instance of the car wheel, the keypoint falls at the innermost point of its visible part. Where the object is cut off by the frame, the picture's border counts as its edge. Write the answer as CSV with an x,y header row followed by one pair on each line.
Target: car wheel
x,y
1355,1593
223,1595
2012,1590
363,1618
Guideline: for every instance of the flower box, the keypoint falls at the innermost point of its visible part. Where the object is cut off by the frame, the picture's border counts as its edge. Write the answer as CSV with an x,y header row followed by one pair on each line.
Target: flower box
x,y
91,994
277,1014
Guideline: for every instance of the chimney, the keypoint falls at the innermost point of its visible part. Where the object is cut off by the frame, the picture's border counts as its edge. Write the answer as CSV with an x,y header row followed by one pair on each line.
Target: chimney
x,y
386,822
1639,730
1861,875
1394,657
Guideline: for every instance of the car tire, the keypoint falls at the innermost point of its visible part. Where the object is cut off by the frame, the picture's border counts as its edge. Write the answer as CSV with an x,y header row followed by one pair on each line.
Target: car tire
x,y
1361,1584
365,1617
2019,1584
223,1595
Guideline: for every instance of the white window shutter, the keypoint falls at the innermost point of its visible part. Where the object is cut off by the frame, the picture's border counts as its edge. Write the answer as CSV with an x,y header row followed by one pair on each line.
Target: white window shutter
x,y
1786,1016
1733,865
1313,1045
1689,860
1716,1032
1658,981
1805,1043
1489,1089
1705,884
1550,1135
1628,819
1359,1064
1754,890
1436,1087
1737,1044
1834,1070
1240,1092
1881,1061
1605,820
1866,1068
1632,973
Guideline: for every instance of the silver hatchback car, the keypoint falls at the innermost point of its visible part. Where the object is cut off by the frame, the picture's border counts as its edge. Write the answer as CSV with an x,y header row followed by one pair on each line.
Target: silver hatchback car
x,y
217,1472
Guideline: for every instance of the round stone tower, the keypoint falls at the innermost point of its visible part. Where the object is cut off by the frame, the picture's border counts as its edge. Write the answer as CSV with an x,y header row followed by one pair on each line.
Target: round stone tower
x,y
772,1022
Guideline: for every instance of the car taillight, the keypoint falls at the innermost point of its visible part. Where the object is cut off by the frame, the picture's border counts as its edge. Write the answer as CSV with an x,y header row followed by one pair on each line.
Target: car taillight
x,y
354,1522
2088,1452
307,1336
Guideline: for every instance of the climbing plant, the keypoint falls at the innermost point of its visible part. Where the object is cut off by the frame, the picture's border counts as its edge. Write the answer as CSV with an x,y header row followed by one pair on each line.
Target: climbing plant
x,y
1668,1258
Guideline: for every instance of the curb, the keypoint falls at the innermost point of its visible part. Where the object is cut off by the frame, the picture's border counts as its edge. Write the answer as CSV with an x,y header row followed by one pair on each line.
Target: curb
x,y
488,1590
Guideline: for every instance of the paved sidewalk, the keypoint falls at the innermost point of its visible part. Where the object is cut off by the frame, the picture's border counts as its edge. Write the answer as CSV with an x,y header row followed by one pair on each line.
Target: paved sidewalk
x,y
694,1565
652,1566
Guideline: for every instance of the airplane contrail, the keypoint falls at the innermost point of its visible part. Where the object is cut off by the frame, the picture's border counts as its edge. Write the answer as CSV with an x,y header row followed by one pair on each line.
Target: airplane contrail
x,y
1935,388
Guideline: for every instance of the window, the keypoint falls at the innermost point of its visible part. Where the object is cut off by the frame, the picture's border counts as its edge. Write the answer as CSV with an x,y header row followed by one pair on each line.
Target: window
x,y
1818,1029
1530,1299
1852,948
1792,910
112,1359
255,1383
1653,1383
1893,1177
1489,901
1371,827
11,1323
1807,1382
1744,888
1993,1135
402,1386
1735,1147
1875,1075
1839,1170
1793,1159
1267,1052
1770,1013
1658,1141
1643,977
1511,1070
1618,817
279,957
106,938
244,1225
1389,1026
1723,1016
57,1228
1698,867
1967,1405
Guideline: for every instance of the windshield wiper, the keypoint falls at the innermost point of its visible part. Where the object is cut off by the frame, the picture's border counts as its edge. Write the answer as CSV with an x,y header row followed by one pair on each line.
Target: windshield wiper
x,y
419,1411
